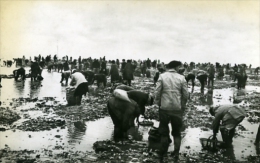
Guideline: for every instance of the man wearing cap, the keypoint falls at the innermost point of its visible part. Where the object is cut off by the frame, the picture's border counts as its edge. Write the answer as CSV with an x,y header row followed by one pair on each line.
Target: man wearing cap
x,y
229,116
171,95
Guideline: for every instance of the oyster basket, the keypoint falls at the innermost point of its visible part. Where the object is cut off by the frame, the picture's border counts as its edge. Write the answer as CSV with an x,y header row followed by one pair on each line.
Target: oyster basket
x,y
210,143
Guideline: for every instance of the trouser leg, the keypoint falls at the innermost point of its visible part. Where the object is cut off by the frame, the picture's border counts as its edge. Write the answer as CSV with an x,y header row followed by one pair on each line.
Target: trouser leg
x,y
257,140
202,86
227,136
62,77
193,84
129,82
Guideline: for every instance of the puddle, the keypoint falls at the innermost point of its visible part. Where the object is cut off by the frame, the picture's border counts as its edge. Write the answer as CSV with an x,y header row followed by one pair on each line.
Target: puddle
x,y
102,129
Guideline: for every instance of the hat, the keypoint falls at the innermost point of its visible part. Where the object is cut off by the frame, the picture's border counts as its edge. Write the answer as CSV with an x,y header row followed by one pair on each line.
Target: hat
x,y
174,64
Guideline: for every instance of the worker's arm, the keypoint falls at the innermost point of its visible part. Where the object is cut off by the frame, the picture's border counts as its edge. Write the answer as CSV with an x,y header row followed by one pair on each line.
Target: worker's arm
x,y
216,123
158,92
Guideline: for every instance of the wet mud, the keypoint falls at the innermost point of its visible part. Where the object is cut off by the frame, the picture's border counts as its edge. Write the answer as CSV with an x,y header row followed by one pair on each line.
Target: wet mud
x,y
37,126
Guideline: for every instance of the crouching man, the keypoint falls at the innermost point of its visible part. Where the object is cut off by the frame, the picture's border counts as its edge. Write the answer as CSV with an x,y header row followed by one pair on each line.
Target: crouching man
x,y
19,72
123,114
231,116
79,81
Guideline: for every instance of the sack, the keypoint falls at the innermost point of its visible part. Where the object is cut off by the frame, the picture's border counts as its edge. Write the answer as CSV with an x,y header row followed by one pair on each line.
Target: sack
x,y
70,95
154,134
121,94
237,113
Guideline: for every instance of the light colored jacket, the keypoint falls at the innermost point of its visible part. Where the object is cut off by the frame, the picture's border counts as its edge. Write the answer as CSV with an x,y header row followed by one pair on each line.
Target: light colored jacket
x,y
77,78
171,91
230,115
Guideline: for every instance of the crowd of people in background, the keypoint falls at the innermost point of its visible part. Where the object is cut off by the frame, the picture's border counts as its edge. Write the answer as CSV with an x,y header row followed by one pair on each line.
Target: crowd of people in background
x,y
125,70
170,80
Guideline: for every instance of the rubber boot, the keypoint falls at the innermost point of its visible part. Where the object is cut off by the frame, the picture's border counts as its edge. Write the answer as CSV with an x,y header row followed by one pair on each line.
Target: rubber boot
x,y
164,147
79,103
177,145
77,100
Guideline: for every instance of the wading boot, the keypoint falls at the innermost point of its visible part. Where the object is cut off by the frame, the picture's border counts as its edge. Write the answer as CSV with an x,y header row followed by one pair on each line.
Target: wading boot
x,y
77,100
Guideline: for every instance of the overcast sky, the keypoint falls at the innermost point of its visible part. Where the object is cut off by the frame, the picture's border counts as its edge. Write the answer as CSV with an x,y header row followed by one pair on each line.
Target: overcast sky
x,y
200,31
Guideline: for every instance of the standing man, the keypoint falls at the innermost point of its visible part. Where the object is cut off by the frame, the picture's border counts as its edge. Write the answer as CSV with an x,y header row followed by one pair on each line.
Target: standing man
x,y
211,72
171,95
128,73
202,77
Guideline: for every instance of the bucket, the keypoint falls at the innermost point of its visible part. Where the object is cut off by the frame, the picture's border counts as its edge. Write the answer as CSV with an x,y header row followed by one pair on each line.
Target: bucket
x,y
70,95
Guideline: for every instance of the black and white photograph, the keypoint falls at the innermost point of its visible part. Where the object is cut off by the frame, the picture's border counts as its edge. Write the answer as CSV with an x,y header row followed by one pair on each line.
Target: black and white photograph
x,y
129,81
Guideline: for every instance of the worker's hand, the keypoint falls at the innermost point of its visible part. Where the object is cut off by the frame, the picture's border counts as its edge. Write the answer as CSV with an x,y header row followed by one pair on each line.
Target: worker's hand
x,y
156,107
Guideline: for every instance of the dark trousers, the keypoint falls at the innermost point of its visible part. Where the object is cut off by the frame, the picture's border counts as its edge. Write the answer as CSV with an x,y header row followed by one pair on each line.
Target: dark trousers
x,y
129,82
82,89
203,80
164,131
64,76
211,80
227,136
192,78
257,140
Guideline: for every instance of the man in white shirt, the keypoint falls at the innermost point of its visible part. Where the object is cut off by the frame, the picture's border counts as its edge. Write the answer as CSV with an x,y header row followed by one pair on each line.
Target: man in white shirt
x,y
79,81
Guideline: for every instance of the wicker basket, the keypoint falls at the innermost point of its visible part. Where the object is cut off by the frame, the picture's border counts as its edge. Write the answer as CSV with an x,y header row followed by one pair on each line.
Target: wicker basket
x,y
209,143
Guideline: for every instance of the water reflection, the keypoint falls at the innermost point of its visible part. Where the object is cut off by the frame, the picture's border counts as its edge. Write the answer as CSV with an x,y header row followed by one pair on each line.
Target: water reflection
x,y
75,135
102,129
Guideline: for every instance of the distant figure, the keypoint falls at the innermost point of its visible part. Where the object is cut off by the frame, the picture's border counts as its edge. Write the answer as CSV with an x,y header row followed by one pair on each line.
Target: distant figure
x,y
114,72
256,70
191,76
157,74
128,73
202,77
211,72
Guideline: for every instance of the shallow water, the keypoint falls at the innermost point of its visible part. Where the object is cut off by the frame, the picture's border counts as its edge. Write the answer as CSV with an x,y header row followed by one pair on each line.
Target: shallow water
x,y
102,129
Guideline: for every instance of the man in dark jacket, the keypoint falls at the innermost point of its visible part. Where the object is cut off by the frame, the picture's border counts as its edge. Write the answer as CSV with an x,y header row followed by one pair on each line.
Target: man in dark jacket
x,y
202,77
157,74
114,73
211,72
123,65
19,72
128,73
